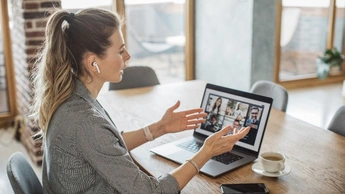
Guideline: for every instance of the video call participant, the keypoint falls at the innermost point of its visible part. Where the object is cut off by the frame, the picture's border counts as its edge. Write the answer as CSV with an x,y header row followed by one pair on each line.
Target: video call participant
x,y
253,121
228,111
216,106
236,125
211,122
237,113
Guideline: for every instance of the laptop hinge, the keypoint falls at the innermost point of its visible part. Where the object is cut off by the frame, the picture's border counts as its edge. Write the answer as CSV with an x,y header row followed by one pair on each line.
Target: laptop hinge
x,y
199,137
246,151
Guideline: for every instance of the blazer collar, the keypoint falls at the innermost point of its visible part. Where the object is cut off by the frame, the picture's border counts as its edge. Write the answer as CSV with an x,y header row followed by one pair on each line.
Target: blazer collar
x,y
83,92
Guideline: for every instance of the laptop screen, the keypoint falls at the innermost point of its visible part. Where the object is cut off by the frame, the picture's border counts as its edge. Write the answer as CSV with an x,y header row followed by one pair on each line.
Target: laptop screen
x,y
238,109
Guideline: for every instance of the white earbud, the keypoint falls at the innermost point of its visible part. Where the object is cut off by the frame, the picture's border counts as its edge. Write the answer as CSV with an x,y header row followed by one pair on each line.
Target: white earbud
x,y
96,65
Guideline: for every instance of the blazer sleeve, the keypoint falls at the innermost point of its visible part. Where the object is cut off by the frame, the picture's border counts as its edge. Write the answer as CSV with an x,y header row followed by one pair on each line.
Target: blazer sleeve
x,y
102,146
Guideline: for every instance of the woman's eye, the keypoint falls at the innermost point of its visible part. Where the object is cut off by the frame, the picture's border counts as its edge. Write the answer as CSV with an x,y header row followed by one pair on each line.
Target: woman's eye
x,y
121,51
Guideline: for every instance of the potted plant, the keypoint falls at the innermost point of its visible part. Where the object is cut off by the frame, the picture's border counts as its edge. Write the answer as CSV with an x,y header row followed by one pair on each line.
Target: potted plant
x,y
331,58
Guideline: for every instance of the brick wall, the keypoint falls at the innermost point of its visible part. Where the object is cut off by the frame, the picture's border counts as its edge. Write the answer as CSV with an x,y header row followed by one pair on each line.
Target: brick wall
x,y
29,20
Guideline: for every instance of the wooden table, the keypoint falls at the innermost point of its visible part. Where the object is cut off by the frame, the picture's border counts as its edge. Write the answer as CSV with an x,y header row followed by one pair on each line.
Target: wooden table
x,y
316,156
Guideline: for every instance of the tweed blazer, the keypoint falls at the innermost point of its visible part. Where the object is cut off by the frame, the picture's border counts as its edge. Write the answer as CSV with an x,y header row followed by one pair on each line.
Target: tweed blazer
x,y
85,153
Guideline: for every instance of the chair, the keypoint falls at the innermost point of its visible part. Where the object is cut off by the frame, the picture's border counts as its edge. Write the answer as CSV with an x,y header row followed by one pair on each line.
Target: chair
x,y
277,92
337,123
21,175
136,77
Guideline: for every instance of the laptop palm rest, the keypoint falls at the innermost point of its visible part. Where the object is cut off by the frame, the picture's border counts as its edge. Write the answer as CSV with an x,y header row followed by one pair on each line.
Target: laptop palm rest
x,y
212,168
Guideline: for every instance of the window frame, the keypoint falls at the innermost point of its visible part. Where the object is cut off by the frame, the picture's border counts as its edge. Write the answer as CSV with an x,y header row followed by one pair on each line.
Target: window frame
x,y
10,81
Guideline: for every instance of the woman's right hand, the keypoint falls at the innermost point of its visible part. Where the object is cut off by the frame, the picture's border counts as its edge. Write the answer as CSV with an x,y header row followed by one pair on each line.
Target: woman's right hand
x,y
220,142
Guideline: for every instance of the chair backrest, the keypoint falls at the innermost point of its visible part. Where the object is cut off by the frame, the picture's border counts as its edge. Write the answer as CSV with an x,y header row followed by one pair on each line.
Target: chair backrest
x,y
337,123
270,89
21,175
136,77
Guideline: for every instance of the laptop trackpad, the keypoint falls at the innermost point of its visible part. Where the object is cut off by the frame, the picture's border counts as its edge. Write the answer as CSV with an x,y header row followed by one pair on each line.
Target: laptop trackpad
x,y
180,156
173,152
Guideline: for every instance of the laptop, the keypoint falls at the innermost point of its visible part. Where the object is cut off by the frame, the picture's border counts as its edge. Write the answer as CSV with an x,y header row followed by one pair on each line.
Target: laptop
x,y
224,106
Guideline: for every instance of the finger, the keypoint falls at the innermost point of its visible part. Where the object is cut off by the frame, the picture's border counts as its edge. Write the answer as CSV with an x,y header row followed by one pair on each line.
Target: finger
x,y
174,107
244,131
241,134
195,116
240,130
234,131
194,122
188,127
224,131
192,111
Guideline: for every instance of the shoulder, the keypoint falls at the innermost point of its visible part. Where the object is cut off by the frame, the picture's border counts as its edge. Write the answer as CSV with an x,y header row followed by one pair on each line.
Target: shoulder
x,y
75,107
78,118
76,113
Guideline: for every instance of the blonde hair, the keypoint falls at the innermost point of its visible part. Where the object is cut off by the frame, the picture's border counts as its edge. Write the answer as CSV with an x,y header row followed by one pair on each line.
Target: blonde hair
x,y
68,37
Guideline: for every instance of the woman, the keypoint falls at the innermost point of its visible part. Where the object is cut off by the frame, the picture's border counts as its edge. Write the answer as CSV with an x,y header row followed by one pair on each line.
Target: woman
x,y
216,105
228,111
237,113
83,151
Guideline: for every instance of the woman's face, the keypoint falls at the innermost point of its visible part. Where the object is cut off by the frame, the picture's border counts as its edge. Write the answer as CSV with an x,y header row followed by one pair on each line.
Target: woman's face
x,y
218,102
112,65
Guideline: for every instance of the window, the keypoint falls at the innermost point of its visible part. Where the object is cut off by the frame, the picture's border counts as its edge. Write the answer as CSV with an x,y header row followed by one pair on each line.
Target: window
x,y
76,5
155,36
307,29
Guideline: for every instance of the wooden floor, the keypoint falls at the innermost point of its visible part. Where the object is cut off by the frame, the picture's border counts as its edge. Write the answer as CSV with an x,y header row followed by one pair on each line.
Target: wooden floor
x,y
315,105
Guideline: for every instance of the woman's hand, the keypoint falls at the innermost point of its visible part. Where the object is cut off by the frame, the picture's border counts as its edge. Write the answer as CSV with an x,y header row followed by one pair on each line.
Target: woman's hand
x,y
220,142
172,122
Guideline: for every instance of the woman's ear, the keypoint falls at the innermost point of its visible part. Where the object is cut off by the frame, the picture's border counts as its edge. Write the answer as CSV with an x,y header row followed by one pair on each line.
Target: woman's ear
x,y
96,65
91,64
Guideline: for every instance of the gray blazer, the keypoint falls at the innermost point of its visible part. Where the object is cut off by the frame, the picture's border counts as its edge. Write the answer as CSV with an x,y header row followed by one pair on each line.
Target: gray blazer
x,y
85,153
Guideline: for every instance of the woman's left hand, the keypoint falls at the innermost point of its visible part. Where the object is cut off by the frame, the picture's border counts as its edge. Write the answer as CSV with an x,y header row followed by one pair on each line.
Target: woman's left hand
x,y
172,122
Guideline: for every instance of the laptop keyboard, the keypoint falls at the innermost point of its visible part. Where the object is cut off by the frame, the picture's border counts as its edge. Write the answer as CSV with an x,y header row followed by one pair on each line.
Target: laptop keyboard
x,y
194,147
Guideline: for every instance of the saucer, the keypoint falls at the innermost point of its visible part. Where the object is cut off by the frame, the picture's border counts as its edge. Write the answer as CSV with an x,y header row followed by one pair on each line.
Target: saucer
x,y
257,167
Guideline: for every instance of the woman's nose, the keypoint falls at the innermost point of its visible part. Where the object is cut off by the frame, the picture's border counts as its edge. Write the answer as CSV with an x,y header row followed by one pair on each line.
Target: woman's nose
x,y
127,55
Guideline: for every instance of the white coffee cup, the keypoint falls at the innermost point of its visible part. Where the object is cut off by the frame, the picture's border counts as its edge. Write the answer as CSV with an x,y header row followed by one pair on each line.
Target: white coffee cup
x,y
272,161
